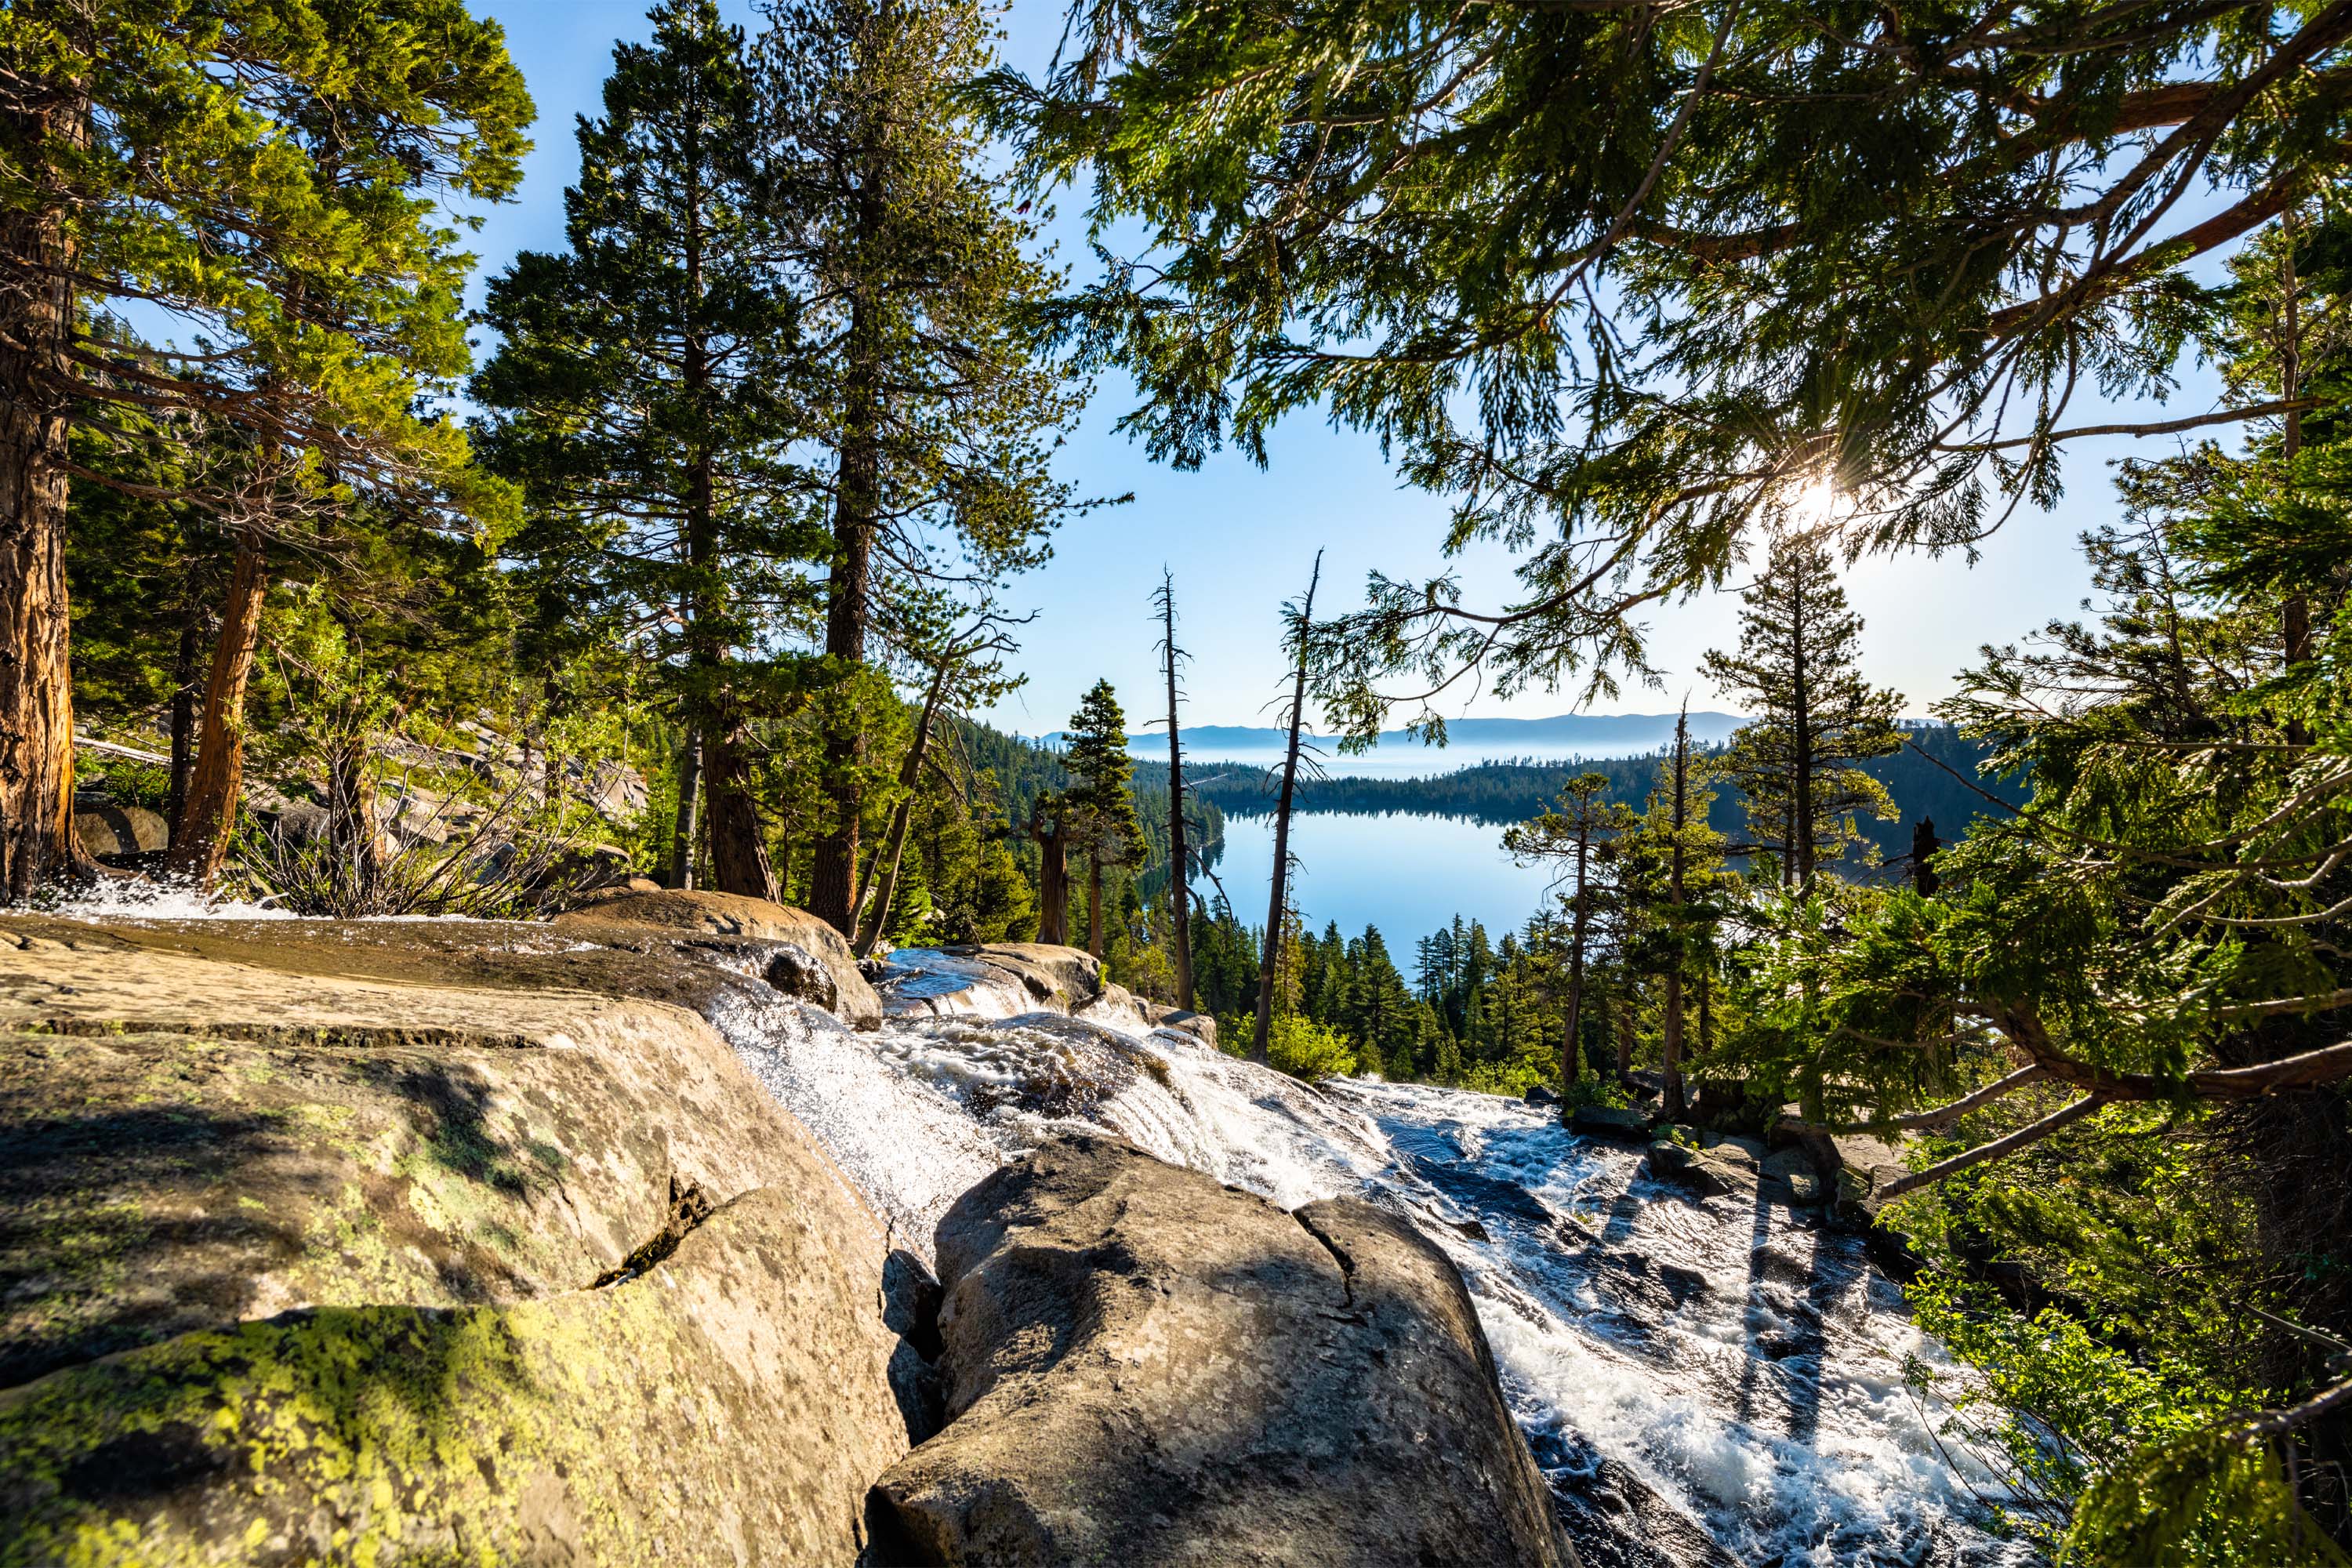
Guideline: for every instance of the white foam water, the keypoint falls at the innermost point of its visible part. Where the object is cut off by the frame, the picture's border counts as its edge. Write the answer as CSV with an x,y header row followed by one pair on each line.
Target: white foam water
x,y
157,899
1735,1365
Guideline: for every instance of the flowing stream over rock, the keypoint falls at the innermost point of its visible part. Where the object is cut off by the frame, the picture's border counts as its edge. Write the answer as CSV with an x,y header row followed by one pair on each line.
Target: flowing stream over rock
x,y
1712,1380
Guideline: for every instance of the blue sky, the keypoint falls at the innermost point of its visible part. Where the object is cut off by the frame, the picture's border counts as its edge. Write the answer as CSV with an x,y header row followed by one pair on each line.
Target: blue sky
x,y
1241,539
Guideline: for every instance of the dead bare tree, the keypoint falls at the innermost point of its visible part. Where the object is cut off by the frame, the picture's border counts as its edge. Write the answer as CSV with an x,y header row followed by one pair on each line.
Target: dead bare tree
x,y
1178,870
1301,619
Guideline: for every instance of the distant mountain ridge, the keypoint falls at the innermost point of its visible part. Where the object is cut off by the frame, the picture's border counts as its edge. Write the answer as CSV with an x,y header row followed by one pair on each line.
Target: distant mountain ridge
x,y
1593,735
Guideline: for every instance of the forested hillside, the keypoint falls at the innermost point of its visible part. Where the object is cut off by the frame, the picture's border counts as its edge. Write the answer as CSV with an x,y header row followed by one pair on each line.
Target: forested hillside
x,y
1934,778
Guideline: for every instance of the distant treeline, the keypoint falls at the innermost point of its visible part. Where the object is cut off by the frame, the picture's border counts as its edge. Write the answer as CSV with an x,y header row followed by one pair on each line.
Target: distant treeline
x,y
1937,786
1024,769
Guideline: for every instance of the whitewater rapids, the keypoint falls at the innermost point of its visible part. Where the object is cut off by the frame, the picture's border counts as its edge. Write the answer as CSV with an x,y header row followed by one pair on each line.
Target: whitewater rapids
x,y
1687,1372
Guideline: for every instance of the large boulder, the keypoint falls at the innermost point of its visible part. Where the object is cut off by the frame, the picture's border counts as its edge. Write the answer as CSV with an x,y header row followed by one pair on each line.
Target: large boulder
x,y
1866,1167
1706,1173
1140,1366
733,915
703,1410
297,1262
1065,978
112,832
1613,1124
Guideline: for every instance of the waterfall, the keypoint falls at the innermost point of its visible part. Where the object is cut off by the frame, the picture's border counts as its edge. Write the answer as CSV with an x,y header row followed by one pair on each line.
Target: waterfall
x,y
1721,1380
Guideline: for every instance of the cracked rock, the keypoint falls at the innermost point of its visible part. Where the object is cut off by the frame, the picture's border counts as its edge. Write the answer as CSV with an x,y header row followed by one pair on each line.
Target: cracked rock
x,y
1140,1365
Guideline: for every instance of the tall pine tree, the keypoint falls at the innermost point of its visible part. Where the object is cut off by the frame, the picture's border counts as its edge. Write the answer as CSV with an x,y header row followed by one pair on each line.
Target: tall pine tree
x,y
1100,805
1814,717
936,420
644,397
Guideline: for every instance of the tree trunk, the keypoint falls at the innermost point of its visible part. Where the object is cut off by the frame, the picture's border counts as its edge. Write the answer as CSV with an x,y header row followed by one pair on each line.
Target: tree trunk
x,y
1573,1046
738,848
1178,888
1801,760
1093,903
1052,876
36,756
689,822
894,844
1621,1020
857,507
217,782
1276,904
351,834
1672,1048
184,714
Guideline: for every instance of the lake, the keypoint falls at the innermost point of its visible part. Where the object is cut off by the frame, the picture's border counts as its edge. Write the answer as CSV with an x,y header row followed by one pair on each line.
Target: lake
x,y
1407,875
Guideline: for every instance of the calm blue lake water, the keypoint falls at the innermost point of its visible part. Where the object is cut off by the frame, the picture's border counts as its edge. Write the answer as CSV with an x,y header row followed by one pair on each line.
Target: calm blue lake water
x,y
1407,875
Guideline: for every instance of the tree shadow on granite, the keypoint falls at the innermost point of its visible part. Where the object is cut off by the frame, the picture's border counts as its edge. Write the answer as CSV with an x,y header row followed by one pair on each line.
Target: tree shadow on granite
x,y
89,1202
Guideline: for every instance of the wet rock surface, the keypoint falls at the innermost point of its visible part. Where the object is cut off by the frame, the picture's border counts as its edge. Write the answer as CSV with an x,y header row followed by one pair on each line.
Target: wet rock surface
x,y
1701,1378
1612,1122
1143,1366
730,915
1007,979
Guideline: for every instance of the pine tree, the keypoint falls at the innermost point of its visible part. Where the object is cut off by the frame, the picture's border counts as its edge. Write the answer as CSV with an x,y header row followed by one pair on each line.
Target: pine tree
x,y
1675,885
1100,803
269,175
1797,671
1580,836
936,419
643,396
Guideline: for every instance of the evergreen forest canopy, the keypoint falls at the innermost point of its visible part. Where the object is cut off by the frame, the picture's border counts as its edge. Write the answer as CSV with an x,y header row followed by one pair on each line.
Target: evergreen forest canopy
x,y
1664,299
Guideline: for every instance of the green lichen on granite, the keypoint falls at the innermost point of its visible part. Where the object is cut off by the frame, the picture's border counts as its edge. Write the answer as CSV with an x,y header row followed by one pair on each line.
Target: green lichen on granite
x,y
364,1434
155,1182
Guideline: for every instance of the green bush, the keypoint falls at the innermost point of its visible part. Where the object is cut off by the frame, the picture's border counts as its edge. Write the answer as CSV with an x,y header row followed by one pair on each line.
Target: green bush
x,y
1303,1048
2107,1459
126,781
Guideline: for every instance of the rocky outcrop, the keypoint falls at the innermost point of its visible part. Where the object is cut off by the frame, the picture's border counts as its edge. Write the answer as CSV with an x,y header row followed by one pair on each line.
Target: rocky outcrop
x,y
1614,1123
1069,977
1715,1164
297,1262
114,832
999,979
732,915
1140,1366
1866,1165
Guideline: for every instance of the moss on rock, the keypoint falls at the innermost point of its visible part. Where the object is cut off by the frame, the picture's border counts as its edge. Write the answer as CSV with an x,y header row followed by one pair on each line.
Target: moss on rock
x,y
698,1413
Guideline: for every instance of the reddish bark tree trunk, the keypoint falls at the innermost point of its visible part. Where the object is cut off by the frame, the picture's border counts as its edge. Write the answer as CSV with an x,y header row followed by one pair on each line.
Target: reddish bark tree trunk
x,y
217,780
37,757
688,824
738,849
1052,876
